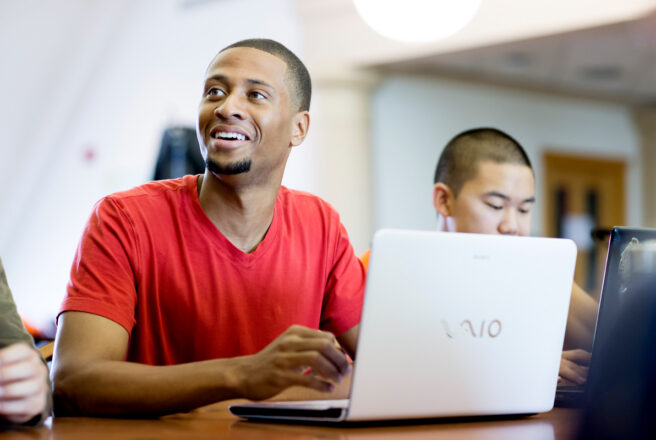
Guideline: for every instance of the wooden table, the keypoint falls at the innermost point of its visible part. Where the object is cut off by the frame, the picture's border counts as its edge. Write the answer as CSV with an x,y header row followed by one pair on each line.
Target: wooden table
x,y
215,421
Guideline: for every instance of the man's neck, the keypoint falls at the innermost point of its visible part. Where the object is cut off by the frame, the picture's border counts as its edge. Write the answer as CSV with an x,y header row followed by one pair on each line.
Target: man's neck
x,y
243,213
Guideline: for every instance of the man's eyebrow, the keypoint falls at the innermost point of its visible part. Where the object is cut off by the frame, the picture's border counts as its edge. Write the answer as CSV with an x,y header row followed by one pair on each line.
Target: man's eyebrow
x,y
259,83
505,197
496,194
223,78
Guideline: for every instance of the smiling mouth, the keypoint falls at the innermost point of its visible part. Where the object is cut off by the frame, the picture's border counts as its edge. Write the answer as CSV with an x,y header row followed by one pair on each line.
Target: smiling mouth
x,y
229,136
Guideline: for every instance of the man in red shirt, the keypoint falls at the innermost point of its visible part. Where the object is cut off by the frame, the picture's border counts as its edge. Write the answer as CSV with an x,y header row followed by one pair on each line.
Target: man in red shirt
x,y
194,290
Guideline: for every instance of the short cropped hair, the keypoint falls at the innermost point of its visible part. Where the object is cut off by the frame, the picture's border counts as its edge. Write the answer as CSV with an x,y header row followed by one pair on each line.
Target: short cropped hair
x,y
301,84
459,160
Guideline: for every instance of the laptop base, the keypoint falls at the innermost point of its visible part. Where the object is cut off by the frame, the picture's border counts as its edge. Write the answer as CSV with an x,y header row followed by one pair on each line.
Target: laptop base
x,y
315,421
308,411
570,397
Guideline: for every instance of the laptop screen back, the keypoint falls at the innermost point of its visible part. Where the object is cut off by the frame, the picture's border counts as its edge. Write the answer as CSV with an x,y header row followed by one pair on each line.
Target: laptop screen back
x,y
617,281
461,324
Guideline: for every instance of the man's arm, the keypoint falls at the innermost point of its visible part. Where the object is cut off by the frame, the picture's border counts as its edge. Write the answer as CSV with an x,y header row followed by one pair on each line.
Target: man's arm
x,y
91,377
581,320
24,387
349,340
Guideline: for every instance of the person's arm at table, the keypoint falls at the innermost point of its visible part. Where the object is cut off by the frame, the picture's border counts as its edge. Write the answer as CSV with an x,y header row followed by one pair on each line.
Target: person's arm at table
x,y
349,340
24,386
91,376
581,320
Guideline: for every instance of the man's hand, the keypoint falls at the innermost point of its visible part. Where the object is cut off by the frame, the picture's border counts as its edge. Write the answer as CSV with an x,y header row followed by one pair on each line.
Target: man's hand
x,y
574,367
287,361
23,383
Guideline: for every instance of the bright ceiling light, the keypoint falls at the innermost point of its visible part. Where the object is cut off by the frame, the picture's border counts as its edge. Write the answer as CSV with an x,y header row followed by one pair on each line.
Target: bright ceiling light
x,y
416,21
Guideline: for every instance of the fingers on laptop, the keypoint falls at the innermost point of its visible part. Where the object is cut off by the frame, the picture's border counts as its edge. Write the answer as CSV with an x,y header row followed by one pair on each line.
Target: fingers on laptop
x,y
581,357
310,381
318,350
573,372
299,356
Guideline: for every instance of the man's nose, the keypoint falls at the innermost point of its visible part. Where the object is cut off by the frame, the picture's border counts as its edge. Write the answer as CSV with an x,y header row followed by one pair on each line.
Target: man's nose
x,y
509,224
231,106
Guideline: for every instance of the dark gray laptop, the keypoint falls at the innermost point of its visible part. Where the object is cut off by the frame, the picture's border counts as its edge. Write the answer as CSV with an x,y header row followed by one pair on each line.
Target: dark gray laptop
x,y
614,287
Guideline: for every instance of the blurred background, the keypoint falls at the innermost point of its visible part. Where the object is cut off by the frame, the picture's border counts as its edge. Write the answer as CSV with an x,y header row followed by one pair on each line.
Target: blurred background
x,y
102,96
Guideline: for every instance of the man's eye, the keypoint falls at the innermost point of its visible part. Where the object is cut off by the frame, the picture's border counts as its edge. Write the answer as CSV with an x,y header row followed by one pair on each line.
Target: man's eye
x,y
257,95
524,210
215,92
495,207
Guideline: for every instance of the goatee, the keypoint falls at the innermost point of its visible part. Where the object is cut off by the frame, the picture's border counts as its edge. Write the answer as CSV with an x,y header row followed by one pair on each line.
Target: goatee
x,y
242,166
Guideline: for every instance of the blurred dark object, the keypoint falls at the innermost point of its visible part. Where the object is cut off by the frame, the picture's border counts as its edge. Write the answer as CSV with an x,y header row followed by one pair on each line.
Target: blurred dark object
x,y
621,391
600,234
179,154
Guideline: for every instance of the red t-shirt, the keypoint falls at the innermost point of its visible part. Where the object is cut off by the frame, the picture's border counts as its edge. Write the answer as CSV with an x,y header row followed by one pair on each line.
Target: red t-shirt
x,y
151,260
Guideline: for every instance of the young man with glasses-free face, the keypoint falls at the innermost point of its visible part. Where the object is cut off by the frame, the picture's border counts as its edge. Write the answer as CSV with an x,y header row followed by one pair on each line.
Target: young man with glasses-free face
x,y
484,183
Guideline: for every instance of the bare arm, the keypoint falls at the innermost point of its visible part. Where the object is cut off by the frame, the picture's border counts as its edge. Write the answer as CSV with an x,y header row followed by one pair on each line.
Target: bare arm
x,y
581,320
349,340
91,377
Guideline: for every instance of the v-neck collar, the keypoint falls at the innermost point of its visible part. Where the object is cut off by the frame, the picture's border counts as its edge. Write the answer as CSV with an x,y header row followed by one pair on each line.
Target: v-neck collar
x,y
220,241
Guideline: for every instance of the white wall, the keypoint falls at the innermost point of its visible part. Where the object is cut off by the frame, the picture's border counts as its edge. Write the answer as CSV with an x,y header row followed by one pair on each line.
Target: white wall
x,y
339,158
413,117
100,77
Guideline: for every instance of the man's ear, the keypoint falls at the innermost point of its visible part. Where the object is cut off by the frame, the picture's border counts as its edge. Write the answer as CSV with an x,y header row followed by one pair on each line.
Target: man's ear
x,y
442,199
301,124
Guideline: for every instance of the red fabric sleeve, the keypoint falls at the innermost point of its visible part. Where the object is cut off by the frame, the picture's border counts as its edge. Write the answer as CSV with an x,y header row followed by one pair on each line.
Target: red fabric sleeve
x,y
342,308
102,278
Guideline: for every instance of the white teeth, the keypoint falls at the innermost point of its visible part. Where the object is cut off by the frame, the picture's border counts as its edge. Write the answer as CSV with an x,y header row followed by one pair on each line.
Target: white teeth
x,y
229,135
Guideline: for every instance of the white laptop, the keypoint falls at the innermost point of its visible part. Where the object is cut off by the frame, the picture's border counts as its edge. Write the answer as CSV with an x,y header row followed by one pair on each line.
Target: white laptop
x,y
453,325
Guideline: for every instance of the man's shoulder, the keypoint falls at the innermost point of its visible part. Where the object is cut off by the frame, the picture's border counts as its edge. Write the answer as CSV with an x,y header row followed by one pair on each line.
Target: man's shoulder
x,y
145,203
156,192
302,211
304,200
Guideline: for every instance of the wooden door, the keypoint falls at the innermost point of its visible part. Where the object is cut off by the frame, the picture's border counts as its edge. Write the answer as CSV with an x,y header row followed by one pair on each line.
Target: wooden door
x,y
584,198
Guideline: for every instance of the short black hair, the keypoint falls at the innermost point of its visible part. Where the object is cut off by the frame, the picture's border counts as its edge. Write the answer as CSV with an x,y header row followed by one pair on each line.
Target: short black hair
x,y
298,73
459,160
